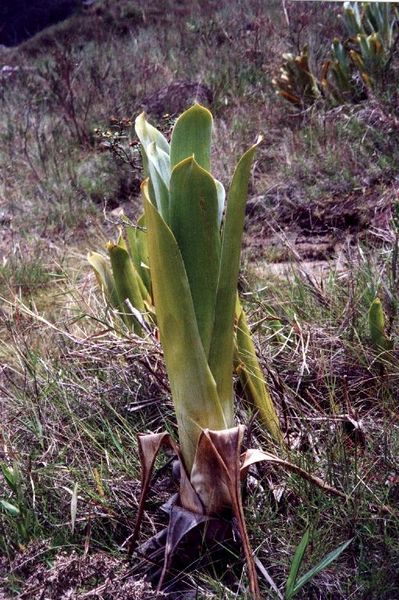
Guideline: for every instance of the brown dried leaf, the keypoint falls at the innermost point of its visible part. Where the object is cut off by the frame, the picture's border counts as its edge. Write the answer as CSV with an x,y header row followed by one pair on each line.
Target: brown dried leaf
x,y
251,457
149,446
181,521
218,460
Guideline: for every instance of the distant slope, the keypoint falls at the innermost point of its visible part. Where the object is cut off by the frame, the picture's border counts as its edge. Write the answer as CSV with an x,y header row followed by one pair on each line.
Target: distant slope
x,y
21,19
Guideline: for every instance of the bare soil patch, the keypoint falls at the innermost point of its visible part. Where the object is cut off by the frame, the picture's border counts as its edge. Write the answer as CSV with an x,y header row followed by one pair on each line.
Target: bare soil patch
x,y
279,232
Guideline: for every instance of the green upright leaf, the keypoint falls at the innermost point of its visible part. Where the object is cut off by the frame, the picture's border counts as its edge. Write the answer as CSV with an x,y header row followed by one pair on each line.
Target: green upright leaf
x,y
193,388
148,134
222,345
138,250
161,161
159,173
124,245
126,284
251,377
296,564
323,564
104,277
192,136
194,222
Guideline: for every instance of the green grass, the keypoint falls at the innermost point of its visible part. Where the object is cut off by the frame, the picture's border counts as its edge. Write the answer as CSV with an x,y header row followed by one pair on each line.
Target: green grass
x,y
25,276
73,420
70,422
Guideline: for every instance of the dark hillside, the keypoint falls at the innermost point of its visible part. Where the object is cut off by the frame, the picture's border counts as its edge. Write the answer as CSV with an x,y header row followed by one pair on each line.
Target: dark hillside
x,y
21,19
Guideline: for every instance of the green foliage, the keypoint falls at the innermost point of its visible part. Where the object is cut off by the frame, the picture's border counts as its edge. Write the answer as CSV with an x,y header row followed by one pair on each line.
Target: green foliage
x,y
128,285
15,507
339,81
365,55
189,202
370,58
194,271
96,394
379,338
294,585
371,18
296,83
123,278
372,29
194,266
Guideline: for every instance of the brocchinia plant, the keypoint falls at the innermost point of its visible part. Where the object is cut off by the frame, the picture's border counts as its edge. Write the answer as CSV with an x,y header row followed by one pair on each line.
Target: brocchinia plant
x,y
125,278
194,258
185,270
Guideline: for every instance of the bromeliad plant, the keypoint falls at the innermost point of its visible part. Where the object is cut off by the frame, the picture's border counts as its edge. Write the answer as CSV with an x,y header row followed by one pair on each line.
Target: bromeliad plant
x,y
338,80
194,257
355,66
194,264
296,82
125,279
193,244
372,28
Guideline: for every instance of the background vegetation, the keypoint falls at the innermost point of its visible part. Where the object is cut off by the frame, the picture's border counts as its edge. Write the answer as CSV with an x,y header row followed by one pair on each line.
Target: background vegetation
x,y
321,243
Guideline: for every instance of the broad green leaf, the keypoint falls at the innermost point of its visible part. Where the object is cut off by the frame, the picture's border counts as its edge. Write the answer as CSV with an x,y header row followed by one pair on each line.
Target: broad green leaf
x,y
222,346
194,222
10,508
192,136
323,564
296,564
137,244
193,388
148,134
104,276
131,243
251,376
126,284
121,243
161,161
159,173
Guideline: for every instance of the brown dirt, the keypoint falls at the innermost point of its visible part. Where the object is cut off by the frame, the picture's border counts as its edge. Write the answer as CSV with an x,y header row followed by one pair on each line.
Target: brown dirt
x,y
97,576
279,232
